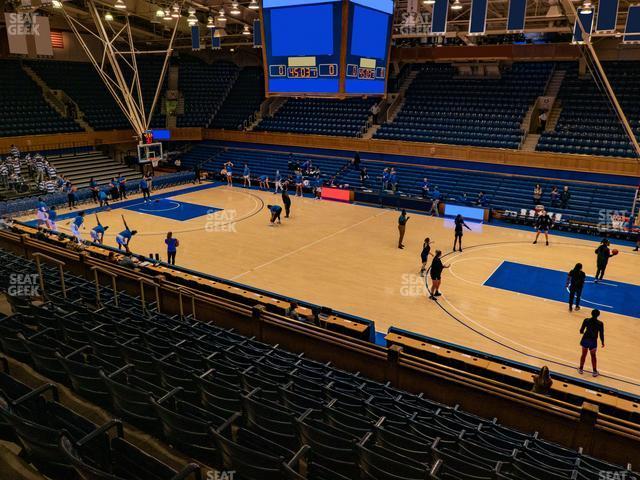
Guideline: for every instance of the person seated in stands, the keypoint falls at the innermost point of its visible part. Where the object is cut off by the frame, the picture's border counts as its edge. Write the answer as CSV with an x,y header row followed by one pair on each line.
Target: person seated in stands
x,y
14,150
356,161
60,182
425,187
6,223
113,188
542,382
565,196
463,198
555,196
306,166
292,163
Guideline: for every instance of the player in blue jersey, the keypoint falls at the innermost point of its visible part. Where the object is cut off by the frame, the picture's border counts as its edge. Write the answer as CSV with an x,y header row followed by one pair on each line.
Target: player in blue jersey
x,y
145,188
97,232
246,176
299,183
41,212
278,181
76,224
51,220
275,211
123,239
228,171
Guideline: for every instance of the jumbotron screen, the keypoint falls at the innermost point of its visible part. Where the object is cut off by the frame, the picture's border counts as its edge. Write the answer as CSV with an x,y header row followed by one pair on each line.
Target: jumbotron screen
x,y
326,47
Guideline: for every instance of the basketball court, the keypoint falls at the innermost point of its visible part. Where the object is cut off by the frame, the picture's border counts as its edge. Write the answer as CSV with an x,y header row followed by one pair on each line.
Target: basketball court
x,y
501,295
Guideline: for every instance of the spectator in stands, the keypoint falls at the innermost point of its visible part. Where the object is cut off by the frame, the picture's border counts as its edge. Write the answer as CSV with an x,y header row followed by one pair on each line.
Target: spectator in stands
x,y
4,174
425,187
49,186
113,189
356,161
542,381
481,200
93,186
543,121
565,196
60,182
14,150
178,164
51,171
197,173
39,169
292,164
70,190
364,177
307,166
393,180
385,179
555,196
246,176
537,194
6,223
122,186
172,248
375,110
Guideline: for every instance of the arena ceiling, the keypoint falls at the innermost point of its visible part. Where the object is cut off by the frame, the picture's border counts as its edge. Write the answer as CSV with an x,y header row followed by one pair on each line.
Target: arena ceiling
x,y
543,16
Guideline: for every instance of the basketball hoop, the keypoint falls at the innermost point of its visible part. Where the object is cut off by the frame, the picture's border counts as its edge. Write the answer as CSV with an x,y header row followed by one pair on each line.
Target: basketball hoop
x,y
154,161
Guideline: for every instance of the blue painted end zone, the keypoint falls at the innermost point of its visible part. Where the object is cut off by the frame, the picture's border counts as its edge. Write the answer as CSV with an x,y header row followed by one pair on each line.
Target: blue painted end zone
x,y
609,295
172,209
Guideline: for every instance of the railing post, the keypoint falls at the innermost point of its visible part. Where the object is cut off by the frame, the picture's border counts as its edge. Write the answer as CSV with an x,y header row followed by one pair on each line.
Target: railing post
x,y
39,257
257,311
393,359
584,433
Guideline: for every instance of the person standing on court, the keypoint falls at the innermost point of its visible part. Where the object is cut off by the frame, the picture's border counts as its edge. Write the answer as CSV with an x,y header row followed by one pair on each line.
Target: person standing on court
x,y
435,272
591,329
543,225
575,283
172,248
424,254
402,225
457,239
603,255
286,200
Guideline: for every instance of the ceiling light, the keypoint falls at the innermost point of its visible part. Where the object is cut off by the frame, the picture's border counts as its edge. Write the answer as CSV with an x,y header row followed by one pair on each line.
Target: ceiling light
x,y
456,5
210,23
167,14
219,32
192,19
246,31
108,17
234,9
160,13
429,2
56,4
587,8
221,17
120,5
254,5
175,11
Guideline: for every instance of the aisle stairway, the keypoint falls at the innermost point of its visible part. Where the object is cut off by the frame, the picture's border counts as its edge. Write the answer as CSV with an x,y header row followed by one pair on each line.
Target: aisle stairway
x,y
81,167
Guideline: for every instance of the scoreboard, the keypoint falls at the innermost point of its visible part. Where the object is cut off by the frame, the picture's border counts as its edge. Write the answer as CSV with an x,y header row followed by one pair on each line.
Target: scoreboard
x,y
326,47
368,46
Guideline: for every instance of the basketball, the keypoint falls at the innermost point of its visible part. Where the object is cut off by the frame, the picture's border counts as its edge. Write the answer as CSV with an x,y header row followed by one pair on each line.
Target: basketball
x,y
614,251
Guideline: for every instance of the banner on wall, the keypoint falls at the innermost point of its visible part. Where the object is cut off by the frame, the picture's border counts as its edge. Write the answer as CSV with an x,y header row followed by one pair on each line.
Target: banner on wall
x,y
43,38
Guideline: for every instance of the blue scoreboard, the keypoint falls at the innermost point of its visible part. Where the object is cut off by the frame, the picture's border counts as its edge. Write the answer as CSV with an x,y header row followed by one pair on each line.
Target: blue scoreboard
x,y
326,47
368,46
